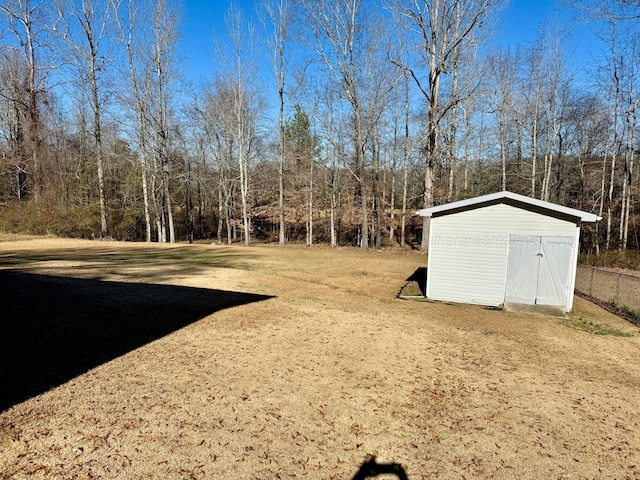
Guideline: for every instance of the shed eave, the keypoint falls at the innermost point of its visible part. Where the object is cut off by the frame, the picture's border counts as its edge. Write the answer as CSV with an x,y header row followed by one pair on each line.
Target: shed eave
x,y
478,202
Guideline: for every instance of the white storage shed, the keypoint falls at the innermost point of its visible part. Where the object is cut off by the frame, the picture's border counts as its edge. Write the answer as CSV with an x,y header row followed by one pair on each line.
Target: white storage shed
x,y
503,247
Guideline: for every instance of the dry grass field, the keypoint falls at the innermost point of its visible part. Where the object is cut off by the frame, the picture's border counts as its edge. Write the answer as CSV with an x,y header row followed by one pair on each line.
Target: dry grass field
x,y
196,361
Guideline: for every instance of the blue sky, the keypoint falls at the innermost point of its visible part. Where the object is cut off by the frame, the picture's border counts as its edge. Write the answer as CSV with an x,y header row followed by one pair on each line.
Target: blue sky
x,y
521,19
202,19
519,22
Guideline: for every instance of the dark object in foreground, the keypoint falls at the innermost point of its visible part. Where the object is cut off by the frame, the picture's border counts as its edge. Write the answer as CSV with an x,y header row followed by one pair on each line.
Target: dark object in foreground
x,y
370,468
53,329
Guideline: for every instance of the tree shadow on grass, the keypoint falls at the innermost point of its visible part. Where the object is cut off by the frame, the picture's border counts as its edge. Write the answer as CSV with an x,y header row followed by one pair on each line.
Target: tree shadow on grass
x,y
53,329
160,264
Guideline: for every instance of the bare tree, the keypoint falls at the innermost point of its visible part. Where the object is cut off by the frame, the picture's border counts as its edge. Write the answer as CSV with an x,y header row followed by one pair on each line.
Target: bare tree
x,y
378,82
630,153
84,26
242,98
215,109
440,28
555,86
28,22
140,88
12,100
240,78
279,12
615,10
149,36
405,162
336,26
278,23
504,72
165,37
532,91
335,134
619,83
613,86
629,71
397,144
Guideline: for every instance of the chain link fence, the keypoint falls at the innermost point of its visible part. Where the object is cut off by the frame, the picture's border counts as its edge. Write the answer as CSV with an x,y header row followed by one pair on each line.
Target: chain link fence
x,y
612,289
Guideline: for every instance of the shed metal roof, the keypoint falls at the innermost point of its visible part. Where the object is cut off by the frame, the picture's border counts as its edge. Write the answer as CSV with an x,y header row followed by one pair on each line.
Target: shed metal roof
x,y
515,199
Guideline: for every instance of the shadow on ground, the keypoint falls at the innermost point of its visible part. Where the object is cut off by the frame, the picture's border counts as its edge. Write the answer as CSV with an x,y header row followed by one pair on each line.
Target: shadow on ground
x,y
420,277
55,328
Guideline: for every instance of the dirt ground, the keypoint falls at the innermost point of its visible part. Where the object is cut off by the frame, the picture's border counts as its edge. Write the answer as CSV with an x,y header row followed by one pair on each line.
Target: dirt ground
x,y
175,361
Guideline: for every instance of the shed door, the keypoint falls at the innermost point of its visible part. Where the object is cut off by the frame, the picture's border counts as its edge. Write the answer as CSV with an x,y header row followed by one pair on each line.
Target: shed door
x,y
538,269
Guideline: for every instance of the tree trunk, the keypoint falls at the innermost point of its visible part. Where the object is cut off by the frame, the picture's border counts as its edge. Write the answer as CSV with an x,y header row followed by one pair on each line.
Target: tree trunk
x,y
453,125
503,152
375,187
430,161
310,229
629,166
534,153
221,209
405,163
334,241
21,15
614,151
361,178
145,197
140,108
244,183
189,204
281,235
98,139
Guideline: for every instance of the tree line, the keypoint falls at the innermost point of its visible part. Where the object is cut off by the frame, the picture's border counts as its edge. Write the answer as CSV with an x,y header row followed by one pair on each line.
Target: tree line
x,y
325,120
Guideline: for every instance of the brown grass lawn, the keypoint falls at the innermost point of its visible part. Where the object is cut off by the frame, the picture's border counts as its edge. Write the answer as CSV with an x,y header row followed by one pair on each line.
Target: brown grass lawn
x,y
155,361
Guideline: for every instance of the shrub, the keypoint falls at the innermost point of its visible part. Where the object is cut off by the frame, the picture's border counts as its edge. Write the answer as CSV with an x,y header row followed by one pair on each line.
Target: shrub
x,y
29,218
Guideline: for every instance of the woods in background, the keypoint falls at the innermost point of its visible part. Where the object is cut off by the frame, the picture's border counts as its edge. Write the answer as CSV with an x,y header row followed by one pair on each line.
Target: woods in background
x,y
325,121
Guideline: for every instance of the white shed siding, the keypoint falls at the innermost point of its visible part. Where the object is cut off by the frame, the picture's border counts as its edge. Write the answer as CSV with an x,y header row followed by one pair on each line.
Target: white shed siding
x,y
468,250
574,267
